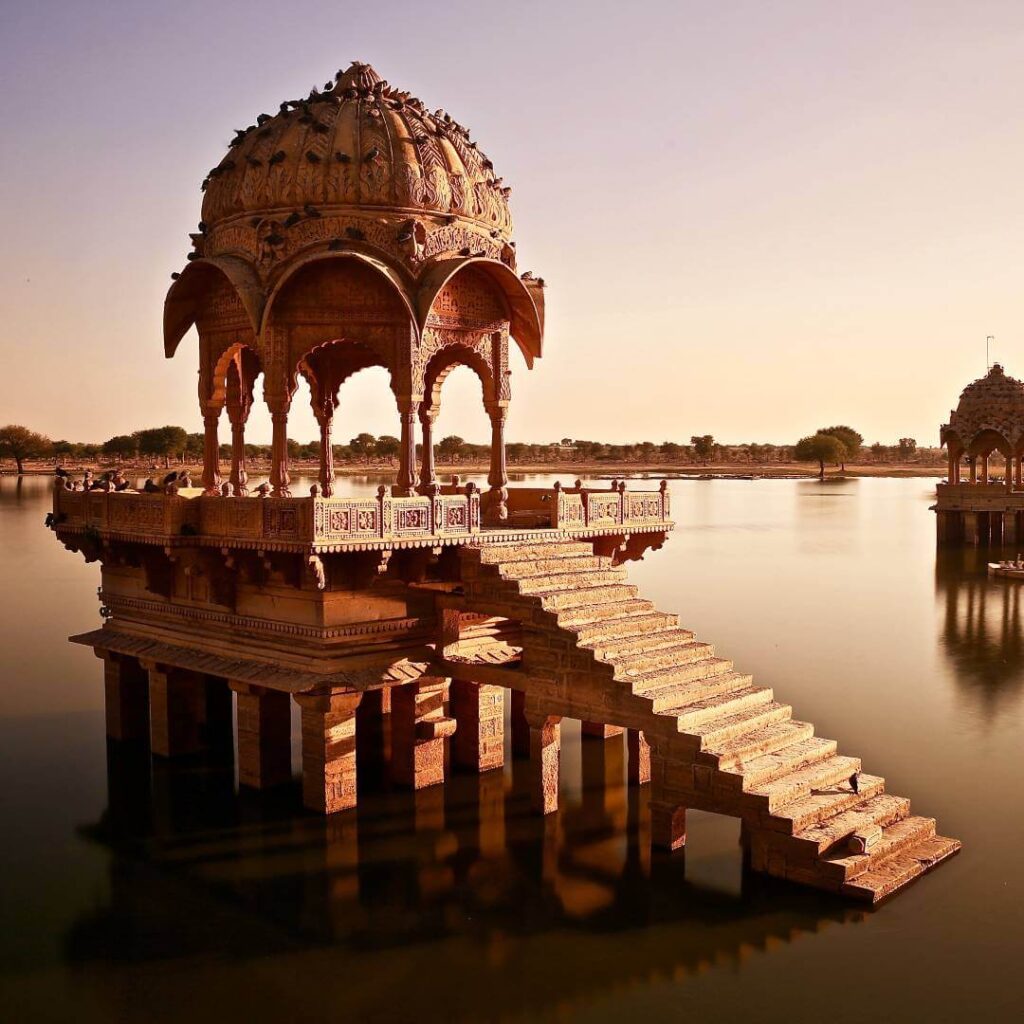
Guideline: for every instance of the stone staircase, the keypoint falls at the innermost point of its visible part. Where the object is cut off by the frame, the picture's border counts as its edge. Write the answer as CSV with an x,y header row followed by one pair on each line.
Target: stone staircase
x,y
593,649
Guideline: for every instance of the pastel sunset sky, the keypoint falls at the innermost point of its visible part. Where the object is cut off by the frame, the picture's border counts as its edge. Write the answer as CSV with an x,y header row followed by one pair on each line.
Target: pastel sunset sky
x,y
754,218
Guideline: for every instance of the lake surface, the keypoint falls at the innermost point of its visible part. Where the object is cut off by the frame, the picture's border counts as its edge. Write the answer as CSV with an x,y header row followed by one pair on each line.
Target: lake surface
x,y
132,890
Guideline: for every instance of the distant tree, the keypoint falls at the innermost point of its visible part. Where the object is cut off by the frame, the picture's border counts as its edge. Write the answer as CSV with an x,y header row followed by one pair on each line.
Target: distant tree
x,y
64,450
850,440
194,446
121,446
20,443
703,447
907,447
819,448
364,446
388,447
451,447
162,441
671,450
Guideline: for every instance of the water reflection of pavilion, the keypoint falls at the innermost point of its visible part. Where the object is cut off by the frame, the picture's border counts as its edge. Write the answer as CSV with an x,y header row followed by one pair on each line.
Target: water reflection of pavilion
x,y
448,880
981,627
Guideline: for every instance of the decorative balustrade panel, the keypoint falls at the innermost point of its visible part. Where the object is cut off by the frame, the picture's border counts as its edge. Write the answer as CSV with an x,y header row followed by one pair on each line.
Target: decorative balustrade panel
x,y
339,519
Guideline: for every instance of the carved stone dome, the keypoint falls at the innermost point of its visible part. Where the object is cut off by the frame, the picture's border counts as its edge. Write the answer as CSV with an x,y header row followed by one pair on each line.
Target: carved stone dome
x,y
358,147
994,403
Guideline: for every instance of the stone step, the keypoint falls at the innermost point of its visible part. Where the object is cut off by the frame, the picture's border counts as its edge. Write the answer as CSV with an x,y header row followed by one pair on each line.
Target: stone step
x,y
807,810
588,597
895,838
569,581
695,714
543,566
492,554
614,621
731,726
892,875
676,699
756,744
650,641
824,836
758,771
647,660
828,774
652,682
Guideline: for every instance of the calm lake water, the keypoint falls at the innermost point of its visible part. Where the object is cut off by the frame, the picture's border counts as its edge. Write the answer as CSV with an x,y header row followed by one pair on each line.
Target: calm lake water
x,y
154,892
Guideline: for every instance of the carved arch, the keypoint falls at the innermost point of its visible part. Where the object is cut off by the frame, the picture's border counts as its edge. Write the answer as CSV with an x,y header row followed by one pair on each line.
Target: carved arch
x,y
233,375
442,364
195,293
525,321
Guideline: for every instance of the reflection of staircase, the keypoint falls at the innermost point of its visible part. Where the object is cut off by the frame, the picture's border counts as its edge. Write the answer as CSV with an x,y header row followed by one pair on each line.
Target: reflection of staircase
x,y
592,649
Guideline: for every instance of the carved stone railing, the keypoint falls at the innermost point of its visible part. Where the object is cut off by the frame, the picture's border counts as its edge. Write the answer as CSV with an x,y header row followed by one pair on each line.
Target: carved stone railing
x,y
312,520
327,521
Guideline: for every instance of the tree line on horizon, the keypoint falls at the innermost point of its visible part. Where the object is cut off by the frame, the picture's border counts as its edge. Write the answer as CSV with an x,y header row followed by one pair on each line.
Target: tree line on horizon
x,y
827,446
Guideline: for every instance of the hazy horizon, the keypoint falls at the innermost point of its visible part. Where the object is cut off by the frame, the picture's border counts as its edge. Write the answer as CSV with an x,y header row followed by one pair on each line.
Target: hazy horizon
x,y
754,220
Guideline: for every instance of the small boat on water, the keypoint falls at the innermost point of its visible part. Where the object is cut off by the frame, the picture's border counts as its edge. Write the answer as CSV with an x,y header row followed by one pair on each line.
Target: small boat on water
x,y
1007,570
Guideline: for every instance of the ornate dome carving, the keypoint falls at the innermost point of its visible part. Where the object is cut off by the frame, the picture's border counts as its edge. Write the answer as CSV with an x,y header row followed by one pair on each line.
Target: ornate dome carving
x,y
358,161
994,403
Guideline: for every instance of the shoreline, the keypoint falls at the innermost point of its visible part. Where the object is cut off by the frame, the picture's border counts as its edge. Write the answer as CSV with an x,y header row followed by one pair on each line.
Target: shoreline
x,y
632,471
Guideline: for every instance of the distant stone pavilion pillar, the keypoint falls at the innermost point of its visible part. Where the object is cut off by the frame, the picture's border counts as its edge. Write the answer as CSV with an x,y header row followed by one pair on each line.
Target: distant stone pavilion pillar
x,y
328,750
984,468
211,450
972,462
497,478
407,409
279,479
264,736
952,464
419,725
1009,471
428,473
325,418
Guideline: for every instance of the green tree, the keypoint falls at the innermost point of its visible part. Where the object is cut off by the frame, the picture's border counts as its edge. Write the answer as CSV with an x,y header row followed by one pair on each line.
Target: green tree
x,y
388,447
65,450
162,441
819,448
20,443
121,446
703,447
451,447
850,440
364,445
194,445
907,447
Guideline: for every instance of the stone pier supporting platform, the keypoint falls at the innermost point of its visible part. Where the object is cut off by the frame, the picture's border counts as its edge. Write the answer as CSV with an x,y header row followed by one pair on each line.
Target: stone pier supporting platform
x,y
479,712
264,736
177,710
328,751
126,690
419,726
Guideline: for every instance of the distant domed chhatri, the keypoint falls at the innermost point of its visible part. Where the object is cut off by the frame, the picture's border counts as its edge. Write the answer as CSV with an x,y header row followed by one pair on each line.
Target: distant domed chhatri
x,y
367,157
992,405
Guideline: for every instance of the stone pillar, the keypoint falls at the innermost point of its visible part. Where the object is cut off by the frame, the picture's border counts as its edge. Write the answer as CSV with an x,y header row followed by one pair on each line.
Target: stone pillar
x,y
264,736
325,418
328,750
479,712
428,474
1009,473
419,726
972,462
1017,482
545,758
955,479
497,478
239,476
176,710
407,408
126,689
668,813
951,470
971,528
211,451
639,766
520,726
1009,528
599,731
279,479
984,468
372,738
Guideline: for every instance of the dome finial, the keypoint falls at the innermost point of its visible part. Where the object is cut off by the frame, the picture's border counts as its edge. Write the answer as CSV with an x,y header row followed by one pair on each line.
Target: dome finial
x,y
360,77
